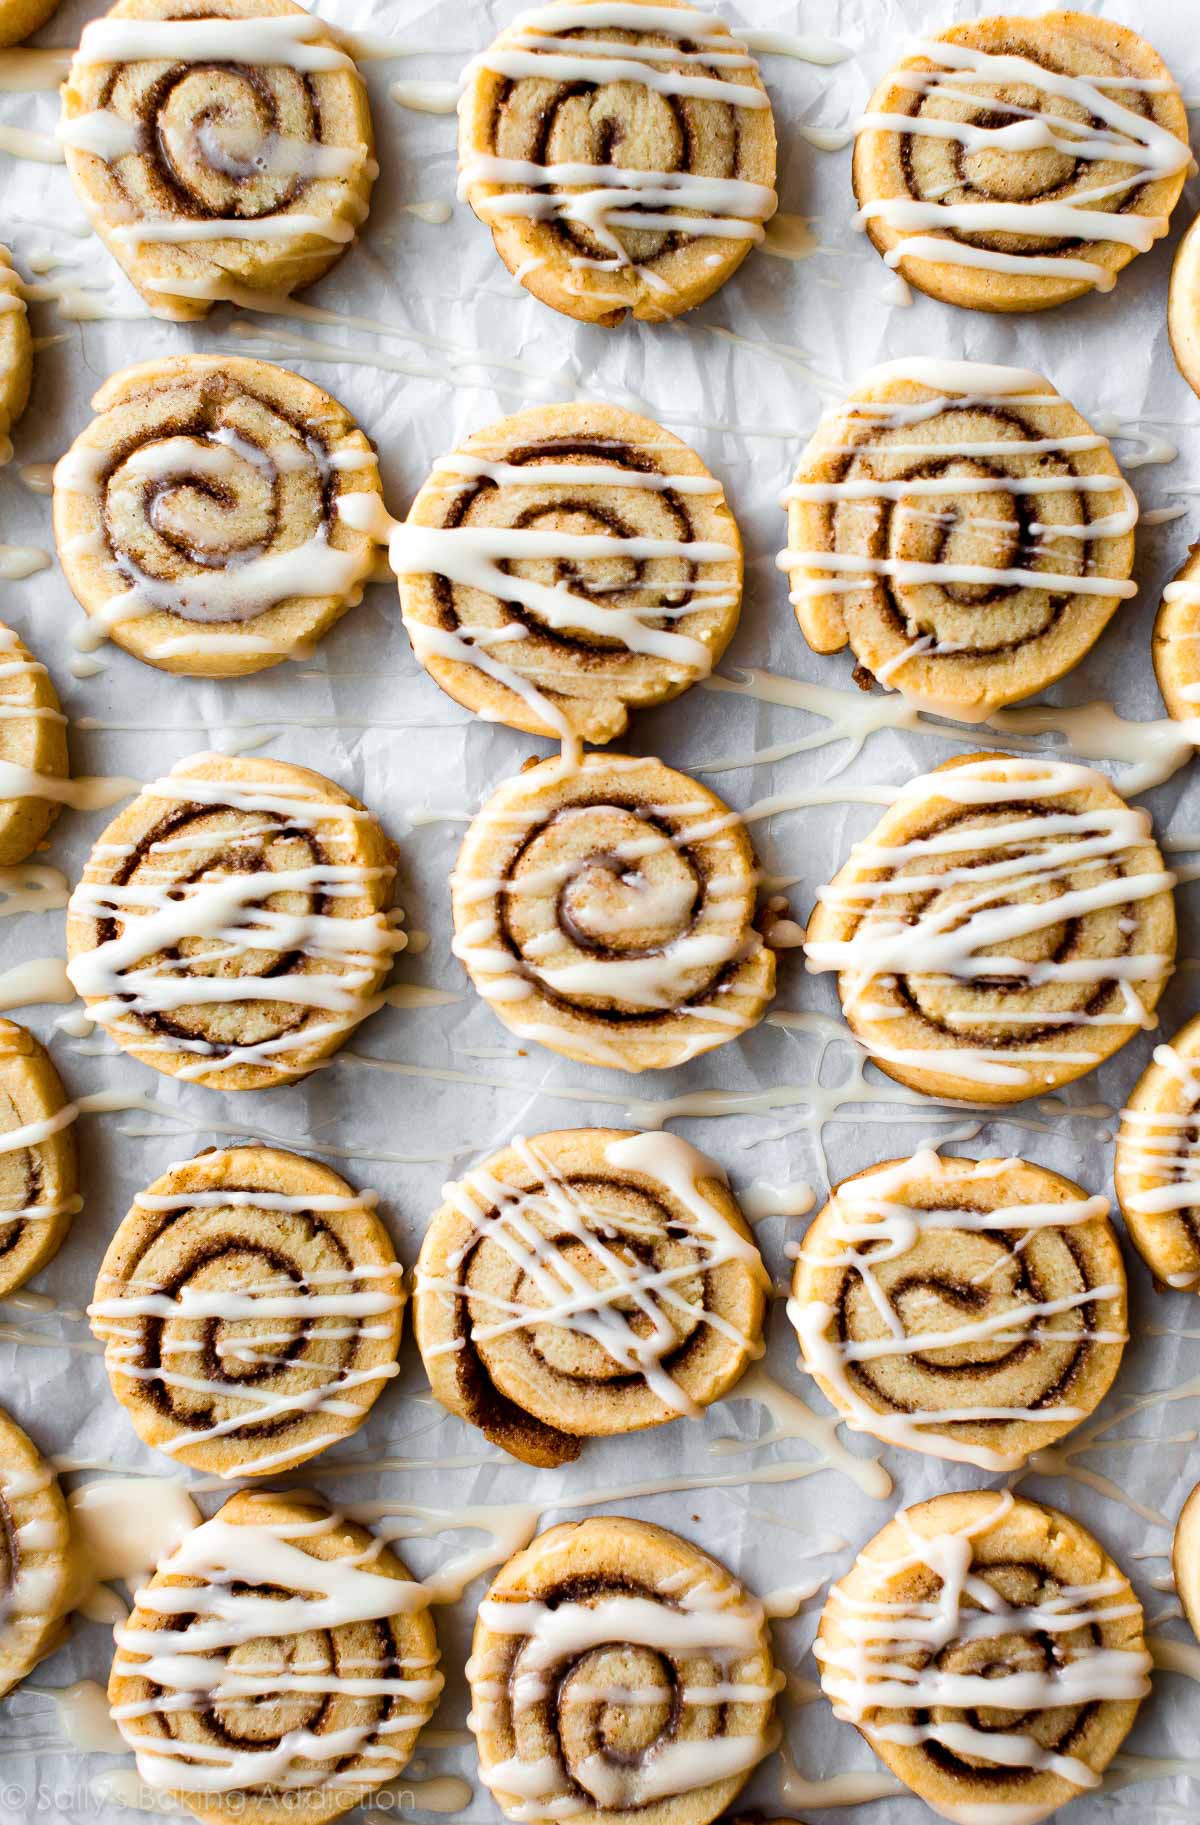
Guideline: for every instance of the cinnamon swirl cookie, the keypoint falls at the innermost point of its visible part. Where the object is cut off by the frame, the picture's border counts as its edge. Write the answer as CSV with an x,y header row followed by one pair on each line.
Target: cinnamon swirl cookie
x,y
974,1310
1157,1167
963,529
1010,164
618,1670
567,565
1183,307
989,1651
250,1308
33,750
231,926
587,1283
16,343
295,1696
39,1174
623,155
1176,643
200,518
18,18
222,148
1006,927
36,1573
606,910
1185,1559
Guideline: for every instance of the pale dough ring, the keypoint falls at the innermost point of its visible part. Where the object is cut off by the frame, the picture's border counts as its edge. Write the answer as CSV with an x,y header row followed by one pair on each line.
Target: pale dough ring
x,y
933,1705
220,147
199,516
588,1669
39,1169
1175,645
1007,926
519,615
606,910
621,167
33,749
650,1224
227,887
972,1310
36,1573
1011,164
963,529
205,1248
16,346
1157,1165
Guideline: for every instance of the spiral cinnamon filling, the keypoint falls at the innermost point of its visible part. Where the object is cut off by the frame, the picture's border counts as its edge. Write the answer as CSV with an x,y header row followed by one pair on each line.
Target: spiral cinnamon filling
x,y
616,1667
622,159
1008,926
1019,1696
247,1327
583,1284
607,911
218,150
279,1664
230,927
975,1311
566,565
1011,163
963,528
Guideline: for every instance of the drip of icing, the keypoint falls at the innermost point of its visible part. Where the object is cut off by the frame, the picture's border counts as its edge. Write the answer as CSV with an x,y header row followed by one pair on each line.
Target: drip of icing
x,y
122,1529
83,1716
425,97
1109,131
20,561
763,1200
37,981
287,40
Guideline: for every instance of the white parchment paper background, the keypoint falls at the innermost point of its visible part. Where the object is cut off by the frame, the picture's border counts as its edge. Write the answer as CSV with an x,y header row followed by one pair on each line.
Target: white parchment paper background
x,y
468,346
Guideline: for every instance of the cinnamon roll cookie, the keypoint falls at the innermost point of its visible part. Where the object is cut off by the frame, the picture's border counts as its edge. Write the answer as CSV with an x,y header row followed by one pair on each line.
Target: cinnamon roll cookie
x,y
1183,307
222,148
231,926
1010,164
1185,1559
618,1670
587,1283
1006,927
201,517
1157,1167
33,750
1176,643
606,910
974,1310
983,1718
36,1573
963,529
250,1307
18,18
295,1696
567,565
623,155
39,1173
16,343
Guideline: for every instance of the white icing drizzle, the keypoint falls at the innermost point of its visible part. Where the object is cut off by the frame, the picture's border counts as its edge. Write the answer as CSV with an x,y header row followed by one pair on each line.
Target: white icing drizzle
x,y
229,909
962,950
120,1529
201,1664
874,1226
1160,1145
1108,132
624,1288
890,1660
287,40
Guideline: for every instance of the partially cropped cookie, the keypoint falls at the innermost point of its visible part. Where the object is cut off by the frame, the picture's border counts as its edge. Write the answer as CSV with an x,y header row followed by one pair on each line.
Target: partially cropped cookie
x,y
231,927
1157,1165
971,1309
963,529
587,1283
18,18
606,910
199,517
1176,643
1010,164
36,1572
1183,307
567,565
220,147
16,343
277,1666
33,750
1007,926
990,1652
278,1277
1185,1559
623,156
39,1173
